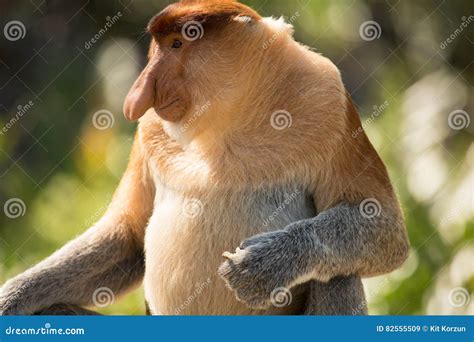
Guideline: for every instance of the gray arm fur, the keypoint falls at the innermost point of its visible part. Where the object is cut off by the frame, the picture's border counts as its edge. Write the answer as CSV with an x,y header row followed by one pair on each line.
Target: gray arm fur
x,y
109,254
98,258
337,242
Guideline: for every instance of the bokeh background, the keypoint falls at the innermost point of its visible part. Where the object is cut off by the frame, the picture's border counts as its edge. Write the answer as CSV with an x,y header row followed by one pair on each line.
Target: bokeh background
x,y
65,67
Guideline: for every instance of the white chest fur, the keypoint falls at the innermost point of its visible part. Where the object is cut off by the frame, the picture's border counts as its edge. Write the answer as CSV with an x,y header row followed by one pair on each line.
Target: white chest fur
x,y
187,235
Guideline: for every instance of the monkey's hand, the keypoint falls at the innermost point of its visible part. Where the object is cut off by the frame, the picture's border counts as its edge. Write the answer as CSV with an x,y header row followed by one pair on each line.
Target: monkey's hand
x,y
263,267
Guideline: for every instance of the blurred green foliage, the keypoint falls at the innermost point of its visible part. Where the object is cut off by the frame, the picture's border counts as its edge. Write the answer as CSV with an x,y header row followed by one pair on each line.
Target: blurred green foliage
x,y
65,170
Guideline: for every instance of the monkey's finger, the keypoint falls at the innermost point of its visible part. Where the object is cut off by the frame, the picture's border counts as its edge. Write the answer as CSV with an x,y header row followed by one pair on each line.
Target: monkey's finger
x,y
237,257
228,255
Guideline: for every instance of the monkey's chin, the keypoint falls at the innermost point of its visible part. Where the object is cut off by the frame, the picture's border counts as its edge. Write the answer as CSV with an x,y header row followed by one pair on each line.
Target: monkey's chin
x,y
172,112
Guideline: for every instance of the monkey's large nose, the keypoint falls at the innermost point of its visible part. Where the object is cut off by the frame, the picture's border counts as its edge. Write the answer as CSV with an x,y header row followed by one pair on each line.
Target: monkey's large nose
x,y
140,97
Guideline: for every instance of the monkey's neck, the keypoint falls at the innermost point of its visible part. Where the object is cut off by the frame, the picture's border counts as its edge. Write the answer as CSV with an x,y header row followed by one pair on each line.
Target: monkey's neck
x,y
237,129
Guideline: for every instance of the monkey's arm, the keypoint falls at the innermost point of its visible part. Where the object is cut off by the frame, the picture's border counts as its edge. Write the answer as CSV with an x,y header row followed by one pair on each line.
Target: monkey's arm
x,y
346,238
109,254
337,242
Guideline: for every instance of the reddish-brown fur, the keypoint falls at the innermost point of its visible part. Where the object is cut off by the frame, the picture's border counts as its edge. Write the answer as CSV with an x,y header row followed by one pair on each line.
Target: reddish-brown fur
x,y
206,12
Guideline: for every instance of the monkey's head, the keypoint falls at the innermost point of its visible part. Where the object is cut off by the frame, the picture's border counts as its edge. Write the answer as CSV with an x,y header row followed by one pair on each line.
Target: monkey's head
x,y
218,71
189,57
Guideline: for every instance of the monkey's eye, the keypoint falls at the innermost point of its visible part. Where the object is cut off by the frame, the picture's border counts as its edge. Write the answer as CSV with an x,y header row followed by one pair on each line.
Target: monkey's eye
x,y
177,44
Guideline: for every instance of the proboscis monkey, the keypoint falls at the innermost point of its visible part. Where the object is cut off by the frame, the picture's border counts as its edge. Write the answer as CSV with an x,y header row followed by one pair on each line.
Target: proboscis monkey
x,y
245,193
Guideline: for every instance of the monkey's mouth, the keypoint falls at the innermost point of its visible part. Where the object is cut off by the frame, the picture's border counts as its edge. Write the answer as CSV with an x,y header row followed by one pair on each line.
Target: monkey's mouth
x,y
169,104
171,111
